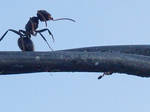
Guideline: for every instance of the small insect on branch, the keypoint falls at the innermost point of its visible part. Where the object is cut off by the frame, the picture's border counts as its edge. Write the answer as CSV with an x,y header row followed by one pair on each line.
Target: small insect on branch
x,y
24,42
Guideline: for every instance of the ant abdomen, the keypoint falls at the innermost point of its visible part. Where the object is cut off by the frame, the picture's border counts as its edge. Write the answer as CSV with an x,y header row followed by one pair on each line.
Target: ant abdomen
x,y
25,44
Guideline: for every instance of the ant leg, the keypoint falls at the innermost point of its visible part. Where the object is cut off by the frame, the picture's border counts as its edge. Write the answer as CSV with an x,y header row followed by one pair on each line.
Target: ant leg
x,y
14,31
40,31
45,40
22,31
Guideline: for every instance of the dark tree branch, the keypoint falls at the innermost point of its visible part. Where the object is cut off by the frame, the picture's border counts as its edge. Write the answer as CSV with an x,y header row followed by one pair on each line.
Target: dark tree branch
x,y
129,49
134,60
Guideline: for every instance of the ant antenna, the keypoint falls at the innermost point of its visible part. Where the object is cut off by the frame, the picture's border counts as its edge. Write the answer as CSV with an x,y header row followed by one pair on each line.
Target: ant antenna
x,y
64,19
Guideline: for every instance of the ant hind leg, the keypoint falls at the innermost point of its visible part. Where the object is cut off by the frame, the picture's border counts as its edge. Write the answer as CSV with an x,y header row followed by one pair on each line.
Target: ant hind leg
x,y
14,31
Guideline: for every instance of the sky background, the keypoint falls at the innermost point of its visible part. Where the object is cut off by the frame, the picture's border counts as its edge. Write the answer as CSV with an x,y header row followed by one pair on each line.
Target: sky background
x,y
99,22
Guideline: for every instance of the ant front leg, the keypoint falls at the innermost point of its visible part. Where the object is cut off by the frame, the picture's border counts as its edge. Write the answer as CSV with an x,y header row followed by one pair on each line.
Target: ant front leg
x,y
46,29
45,41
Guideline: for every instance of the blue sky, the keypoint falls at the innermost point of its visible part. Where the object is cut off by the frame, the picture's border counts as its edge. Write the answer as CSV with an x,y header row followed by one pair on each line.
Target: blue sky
x,y
99,22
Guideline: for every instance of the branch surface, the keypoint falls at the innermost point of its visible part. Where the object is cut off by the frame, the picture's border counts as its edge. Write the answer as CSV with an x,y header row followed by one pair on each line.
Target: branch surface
x,y
129,59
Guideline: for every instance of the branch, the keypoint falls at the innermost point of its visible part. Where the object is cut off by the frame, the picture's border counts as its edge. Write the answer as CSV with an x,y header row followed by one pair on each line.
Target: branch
x,y
129,49
132,60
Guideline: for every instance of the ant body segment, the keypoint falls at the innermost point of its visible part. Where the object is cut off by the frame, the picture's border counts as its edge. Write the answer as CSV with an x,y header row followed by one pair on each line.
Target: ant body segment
x,y
24,42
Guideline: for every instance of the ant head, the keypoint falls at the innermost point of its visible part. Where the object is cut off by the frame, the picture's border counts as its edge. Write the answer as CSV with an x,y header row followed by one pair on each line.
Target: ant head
x,y
25,44
43,15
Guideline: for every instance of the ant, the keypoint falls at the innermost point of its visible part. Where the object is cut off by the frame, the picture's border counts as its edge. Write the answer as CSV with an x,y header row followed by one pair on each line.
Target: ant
x,y
105,73
24,42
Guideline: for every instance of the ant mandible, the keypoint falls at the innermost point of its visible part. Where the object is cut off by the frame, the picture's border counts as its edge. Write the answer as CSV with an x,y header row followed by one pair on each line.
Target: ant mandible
x,y
24,41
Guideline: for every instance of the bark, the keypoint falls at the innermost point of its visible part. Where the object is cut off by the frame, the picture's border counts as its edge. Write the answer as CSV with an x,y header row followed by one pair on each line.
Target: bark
x,y
129,59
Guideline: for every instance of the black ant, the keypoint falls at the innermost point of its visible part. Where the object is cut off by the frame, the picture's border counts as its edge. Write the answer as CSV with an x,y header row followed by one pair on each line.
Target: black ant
x,y
24,42
105,73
